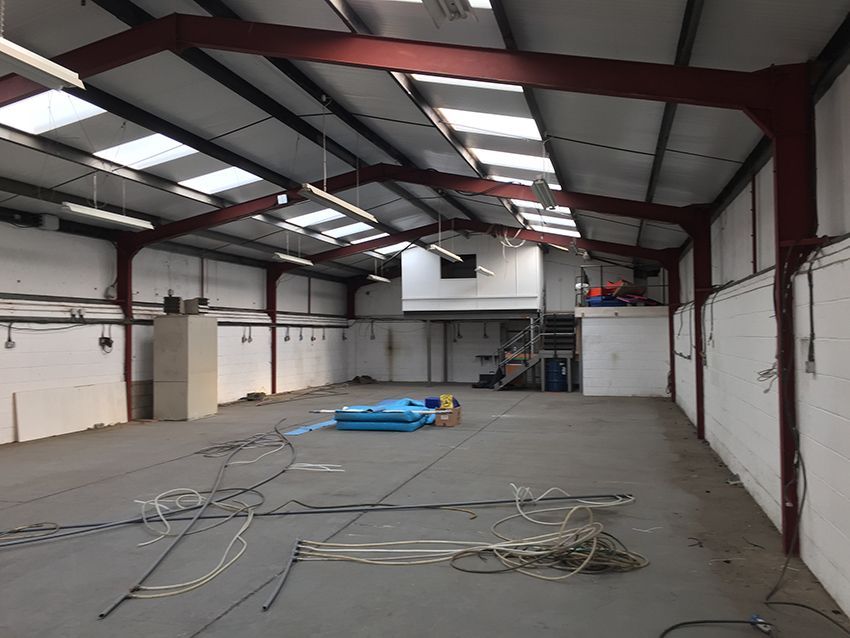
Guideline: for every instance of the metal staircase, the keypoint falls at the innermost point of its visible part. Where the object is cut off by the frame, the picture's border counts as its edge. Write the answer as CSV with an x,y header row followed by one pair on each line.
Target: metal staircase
x,y
552,335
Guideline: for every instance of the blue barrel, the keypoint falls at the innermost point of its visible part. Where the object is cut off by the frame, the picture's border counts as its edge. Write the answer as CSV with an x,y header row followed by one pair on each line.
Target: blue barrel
x,y
556,375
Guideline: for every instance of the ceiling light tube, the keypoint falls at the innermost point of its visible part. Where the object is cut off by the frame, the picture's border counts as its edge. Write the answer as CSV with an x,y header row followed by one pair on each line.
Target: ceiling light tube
x,y
319,196
485,271
445,254
543,194
378,278
36,68
293,259
564,248
105,218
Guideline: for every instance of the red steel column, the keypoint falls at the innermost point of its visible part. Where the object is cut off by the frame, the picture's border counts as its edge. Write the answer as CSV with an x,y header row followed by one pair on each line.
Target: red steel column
x,y
796,220
272,276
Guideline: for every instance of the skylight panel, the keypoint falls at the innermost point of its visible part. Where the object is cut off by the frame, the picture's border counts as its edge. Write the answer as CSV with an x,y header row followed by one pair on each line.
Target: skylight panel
x,y
524,203
536,218
475,4
524,182
491,124
514,160
47,111
386,250
473,84
222,180
369,238
350,229
556,231
314,219
146,151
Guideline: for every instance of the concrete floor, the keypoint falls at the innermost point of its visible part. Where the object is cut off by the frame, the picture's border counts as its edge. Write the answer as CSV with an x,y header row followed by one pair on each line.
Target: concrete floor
x,y
713,553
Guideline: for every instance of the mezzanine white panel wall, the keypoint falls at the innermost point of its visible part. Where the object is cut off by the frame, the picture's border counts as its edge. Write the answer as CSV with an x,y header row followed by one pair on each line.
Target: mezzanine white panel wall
x,y
824,419
741,411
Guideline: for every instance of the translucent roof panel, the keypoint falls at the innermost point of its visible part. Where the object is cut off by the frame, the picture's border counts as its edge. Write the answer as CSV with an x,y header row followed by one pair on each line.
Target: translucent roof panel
x,y
387,250
514,160
370,238
222,180
556,231
524,203
473,84
313,219
536,218
491,124
47,111
146,151
349,229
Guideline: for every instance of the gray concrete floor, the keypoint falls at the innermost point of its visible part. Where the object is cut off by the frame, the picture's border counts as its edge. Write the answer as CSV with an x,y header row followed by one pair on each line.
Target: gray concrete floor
x,y
713,553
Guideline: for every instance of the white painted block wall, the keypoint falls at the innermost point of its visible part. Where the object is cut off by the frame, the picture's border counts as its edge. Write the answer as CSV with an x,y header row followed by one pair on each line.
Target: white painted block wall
x,y
741,411
53,264
625,351
824,420
685,351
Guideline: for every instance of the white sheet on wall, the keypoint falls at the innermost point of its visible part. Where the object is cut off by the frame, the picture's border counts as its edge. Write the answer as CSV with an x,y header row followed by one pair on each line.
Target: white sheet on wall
x,y
52,411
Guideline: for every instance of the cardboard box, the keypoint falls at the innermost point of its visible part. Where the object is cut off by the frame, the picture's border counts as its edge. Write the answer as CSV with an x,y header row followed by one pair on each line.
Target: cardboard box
x,y
448,419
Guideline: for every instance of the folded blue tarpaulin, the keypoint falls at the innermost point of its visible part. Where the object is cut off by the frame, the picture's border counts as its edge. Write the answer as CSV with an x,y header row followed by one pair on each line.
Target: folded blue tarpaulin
x,y
378,416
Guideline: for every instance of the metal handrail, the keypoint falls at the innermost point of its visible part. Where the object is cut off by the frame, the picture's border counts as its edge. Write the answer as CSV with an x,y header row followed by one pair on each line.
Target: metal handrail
x,y
525,350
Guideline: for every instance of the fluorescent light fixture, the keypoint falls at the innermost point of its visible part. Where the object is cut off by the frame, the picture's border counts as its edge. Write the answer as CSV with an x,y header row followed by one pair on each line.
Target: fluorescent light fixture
x,y
222,180
485,271
146,151
537,218
556,231
37,68
340,205
104,217
314,219
473,84
524,203
369,238
386,250
524,182
514,160
491,124
543,193
378,278
47,111
292,259
350,229
445,254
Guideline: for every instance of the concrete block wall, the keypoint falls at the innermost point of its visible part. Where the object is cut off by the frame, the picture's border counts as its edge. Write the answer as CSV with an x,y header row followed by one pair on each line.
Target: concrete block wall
x,y
740,410
685,353
741,419
72,273
311,358
824,419
625,351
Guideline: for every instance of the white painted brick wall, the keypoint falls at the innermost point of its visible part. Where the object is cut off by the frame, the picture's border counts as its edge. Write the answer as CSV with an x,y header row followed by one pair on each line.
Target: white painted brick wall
x,y
625,356
60,359
824,420
303,363
740,417
684,345
243,366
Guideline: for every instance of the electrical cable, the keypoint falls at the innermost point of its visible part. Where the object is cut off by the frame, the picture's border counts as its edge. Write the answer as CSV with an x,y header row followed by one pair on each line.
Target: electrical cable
x,y
584,548
695,623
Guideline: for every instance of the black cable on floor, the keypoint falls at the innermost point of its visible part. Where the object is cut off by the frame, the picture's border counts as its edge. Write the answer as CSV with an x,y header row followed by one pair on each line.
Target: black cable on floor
x,y
753,622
